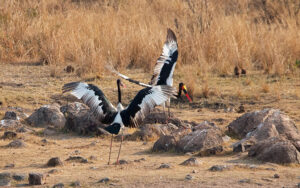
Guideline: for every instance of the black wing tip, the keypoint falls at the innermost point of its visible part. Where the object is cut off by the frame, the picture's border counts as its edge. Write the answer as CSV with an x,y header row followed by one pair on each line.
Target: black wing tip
x,y
69,86
171,35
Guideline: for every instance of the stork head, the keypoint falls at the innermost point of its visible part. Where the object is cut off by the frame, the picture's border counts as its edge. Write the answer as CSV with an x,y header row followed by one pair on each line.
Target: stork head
x,y
113,128
182,87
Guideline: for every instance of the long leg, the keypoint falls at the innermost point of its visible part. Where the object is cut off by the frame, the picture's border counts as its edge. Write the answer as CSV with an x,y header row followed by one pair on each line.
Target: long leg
x,y
110,148
120,148
169,105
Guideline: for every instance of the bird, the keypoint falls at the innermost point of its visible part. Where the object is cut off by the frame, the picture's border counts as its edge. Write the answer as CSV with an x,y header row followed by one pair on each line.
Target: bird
x,y
236,71
164,67
118,118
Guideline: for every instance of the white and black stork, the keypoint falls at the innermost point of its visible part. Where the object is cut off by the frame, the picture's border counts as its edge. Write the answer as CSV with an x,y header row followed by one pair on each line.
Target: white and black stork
x,y
145,100
164,68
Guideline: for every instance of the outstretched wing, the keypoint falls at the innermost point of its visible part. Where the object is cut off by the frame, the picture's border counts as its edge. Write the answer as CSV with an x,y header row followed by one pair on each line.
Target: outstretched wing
x,y
113,70
165,64
94,98
144,102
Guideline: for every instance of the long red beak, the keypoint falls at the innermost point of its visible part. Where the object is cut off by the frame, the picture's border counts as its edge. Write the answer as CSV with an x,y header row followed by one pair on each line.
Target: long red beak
x,y
186,93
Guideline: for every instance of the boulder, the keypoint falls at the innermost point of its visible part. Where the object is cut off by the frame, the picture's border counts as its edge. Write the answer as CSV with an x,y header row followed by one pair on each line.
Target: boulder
x,y
47,115
36,179
79,119
53,162
190,162
16,144
149,132
275,150
165,143
9,135
206,140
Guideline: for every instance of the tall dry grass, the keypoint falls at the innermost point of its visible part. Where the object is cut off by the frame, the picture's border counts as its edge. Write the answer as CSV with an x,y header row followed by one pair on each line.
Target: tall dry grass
x,y
214,36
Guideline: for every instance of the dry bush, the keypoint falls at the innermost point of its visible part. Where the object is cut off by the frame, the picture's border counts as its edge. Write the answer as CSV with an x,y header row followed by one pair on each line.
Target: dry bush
x,y
213,36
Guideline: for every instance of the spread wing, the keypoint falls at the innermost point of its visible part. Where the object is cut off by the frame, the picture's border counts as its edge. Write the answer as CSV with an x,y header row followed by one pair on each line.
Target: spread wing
x,y
94,98
165,64
144,102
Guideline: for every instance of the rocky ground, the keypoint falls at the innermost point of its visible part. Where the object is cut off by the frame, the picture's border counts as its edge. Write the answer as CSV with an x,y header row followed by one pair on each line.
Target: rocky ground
x,y
52,140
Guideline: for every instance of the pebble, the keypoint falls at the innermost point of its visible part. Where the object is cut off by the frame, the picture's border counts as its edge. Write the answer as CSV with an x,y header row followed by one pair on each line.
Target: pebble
x,y
188,177
276,176
9,166
104,180
164,165
59,185
19,177
75,184
244,181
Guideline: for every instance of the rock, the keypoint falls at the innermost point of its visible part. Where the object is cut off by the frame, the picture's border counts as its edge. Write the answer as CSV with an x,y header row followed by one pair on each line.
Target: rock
x,y
10,165
77,159
5,182
241,109
5,175
104,180
205,125
23,130
75,184
10,115
53,162
276,176
226,138
9,124
298,185
80,120
188,177
53,171
49,131
159,117
272,169
36,179
47,115
190,162
149,132
164,143
243,145
194,171
9,135
19,177
216,168
121,162
205,141
16,144
59,185
139,160
245,181
69,69
275,150
164,165
93,158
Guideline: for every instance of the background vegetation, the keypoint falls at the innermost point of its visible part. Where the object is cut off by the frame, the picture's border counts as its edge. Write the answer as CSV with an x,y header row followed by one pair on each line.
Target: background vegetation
x,y
214,36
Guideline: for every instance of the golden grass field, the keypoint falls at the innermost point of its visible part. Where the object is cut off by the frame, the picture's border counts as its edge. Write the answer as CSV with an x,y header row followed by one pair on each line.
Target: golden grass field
x,y
261,36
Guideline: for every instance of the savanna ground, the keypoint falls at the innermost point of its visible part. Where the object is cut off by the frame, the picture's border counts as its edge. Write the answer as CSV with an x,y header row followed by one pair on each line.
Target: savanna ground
x,y
213,37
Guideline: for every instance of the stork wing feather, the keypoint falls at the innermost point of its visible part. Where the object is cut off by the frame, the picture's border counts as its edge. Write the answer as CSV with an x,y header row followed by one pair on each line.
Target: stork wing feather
x,y
164,65
144,102
94,98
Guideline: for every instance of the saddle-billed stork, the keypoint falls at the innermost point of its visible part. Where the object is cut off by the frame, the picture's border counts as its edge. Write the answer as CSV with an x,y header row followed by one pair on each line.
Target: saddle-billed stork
x,y
164,68
145,100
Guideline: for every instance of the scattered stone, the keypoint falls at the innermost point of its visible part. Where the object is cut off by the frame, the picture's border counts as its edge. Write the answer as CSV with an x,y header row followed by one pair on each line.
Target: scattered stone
x,y
19,177
266,179
10,115
159,117
69,69
77,159
188,177
104,180
54,171
59,185
77,152
139,160
121,162
226,138
9,124
205,125
164,143
49,131
194,171
36,179
276,176
23,130
272,169
9,165
16,144
241,109
44,141
190,162
245,181
205,141
216,168
75,184
93,168
164,165
47,115
53,162
92,157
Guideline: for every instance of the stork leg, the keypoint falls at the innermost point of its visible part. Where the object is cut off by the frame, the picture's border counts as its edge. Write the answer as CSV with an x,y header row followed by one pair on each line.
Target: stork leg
x,y
120,148
169,106
166,118
110,148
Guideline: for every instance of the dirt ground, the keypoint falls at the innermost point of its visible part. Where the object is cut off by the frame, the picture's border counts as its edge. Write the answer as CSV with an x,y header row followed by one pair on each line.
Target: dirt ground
x,y
29,86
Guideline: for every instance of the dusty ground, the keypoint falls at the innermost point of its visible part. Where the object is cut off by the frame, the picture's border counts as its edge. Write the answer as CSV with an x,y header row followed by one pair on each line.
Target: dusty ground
x,y
29,86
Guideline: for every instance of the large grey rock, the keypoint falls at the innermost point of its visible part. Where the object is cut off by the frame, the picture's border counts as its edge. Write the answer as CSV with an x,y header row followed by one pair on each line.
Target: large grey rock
x,y
79,119
165,143
205,141
47,115
275,150
16,144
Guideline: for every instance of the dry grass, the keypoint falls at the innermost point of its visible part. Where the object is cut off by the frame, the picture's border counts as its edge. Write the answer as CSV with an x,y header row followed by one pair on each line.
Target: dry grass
x,y
213,35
